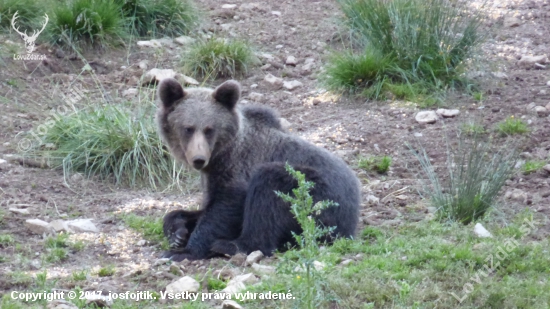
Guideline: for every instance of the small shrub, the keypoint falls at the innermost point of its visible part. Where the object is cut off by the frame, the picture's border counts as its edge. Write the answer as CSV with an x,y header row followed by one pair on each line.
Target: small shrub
x,y
29,12
473,128
106,271
159,17
59,241
81,23
303,209
6,240
512,126
472,181
380,164
478,96
532,166
56,255
216,284
80,275
218,58
111,142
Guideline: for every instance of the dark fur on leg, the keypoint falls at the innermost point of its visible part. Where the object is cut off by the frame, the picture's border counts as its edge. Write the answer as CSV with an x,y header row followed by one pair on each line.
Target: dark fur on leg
x,y
178,226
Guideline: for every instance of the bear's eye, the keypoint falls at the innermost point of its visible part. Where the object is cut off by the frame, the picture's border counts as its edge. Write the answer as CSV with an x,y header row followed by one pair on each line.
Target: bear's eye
x,y
188,130
208,131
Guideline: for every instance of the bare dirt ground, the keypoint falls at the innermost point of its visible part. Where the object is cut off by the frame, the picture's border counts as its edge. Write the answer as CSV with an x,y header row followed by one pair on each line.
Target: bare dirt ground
x,y
303,29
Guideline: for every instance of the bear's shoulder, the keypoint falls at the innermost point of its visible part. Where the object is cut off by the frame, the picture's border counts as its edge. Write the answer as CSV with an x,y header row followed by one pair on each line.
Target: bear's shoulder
x,y
261,116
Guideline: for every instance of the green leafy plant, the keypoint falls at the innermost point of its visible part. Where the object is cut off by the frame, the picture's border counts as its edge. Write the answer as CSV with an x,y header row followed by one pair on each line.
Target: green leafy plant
x,y
6,240
303,209
81,23
532,166
218,58
159,17
473,178
380,164
511,126
106,271
151,228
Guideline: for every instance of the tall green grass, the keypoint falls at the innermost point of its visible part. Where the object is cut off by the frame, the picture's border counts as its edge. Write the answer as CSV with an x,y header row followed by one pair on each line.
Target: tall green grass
x,y
159,17
426,42
112,142
218,58
29,12
469,183
83,23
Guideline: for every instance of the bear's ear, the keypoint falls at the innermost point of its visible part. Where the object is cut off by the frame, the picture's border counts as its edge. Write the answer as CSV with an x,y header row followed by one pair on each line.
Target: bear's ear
x,y
228,93
170,91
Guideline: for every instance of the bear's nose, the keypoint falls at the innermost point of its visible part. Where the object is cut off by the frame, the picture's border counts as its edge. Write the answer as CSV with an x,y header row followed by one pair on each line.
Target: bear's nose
x,y
199,162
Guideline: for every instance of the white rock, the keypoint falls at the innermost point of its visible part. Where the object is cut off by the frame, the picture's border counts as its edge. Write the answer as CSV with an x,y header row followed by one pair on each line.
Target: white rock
x,y
548,83
2,161
546,168
425,117
156,75
255,96
371,199
511,22
99,301
184,284
130,93
500,75
517,195
447,113
168,42
347,262
480,231
531,61
285,124
143,64
187,80
276,13
263,269
61,226
21,211
38,226
229,6
319,265
234,287
291,85
541,111
247,278
150,43
161,261
274,81
291,60
82,226
531,106
60,304
231,304
253,257
184,40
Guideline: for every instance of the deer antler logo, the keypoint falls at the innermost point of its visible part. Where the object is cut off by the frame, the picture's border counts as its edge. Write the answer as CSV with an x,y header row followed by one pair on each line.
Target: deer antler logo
x,y
29,40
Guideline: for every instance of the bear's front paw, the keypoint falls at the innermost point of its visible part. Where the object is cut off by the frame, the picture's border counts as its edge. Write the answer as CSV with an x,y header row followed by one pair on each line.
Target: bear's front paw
x,y
225,247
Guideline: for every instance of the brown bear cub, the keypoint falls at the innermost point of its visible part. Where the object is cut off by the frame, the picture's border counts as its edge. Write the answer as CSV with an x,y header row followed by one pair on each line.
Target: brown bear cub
x,y
241,153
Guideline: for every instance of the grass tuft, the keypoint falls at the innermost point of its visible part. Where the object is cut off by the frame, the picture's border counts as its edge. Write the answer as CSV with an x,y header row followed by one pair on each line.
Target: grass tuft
x,y
29,12
83,23
159,17
218,58
472,181
151,228
380,164
112,142
511,126
532,166
106,271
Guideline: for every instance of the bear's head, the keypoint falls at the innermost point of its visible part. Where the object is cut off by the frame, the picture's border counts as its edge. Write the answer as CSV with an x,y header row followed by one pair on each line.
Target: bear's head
x,y
197,123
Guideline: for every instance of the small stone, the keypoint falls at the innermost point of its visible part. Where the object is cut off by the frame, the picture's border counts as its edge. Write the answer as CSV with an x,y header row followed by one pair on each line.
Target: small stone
x,y
99,301
143,64
2,161
175,269
266,66
60,226
517,195
291,60
531,106
130,93
255,96
371,199
274,81
184,40
187,80
532,61
156,75
161,261
447,113
238,259
60,304
231,304
150,43
285,124
20,211
229,6
291,85
500,75
82,226
480,231
247,278
253,258
541,111
347,262
426,117
234,287
511,22
546,168
38,226
548,106
276,13
141,243
184,284
263,269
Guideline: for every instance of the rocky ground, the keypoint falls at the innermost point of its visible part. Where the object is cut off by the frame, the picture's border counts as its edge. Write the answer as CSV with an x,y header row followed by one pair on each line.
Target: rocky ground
x,y
293,39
